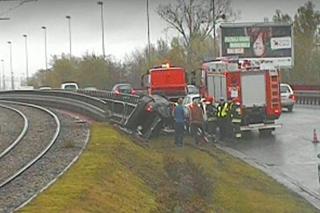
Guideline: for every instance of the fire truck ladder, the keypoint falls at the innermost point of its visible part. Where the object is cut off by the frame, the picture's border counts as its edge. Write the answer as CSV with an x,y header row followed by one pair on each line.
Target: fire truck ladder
x,y
274,96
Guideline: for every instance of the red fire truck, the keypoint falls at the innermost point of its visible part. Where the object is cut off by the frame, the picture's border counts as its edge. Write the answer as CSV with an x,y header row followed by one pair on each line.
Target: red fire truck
x,y
165,80
254,88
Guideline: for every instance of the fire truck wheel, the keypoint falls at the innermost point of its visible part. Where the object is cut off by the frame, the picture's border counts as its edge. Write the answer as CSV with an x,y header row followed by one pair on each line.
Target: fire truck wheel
x,y
290,108
266,132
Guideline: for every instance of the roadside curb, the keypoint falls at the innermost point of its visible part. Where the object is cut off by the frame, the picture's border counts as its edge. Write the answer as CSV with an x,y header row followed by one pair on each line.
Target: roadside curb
x,y
311,196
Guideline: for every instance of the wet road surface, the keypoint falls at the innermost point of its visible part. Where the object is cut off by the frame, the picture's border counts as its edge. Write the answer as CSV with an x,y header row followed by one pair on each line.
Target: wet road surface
x,y
289,153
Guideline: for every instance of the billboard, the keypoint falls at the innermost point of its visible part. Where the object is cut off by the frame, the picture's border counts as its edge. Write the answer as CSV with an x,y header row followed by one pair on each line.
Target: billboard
x,y
263,42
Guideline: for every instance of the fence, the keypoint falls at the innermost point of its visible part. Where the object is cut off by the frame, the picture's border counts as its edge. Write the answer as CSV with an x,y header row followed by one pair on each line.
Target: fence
x,y
311,97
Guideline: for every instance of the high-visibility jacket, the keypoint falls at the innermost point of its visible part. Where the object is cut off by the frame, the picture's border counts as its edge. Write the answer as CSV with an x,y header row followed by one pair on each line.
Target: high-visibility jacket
x,y
231,109
223,110
235,113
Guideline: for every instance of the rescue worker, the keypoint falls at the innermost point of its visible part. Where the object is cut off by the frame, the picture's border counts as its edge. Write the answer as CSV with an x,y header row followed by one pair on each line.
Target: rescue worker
x,y
179,118
222,117
235,118
196,122
211,122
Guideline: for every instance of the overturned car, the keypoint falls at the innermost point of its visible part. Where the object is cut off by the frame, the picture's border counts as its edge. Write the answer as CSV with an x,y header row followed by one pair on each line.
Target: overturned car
x,y
150,116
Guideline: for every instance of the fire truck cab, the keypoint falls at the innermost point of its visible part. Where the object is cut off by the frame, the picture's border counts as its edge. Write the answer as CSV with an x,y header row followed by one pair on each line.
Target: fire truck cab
x,y
165,80
254,88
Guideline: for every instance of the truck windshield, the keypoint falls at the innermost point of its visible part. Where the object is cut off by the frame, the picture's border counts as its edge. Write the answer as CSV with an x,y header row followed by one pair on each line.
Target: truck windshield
x,y
193,89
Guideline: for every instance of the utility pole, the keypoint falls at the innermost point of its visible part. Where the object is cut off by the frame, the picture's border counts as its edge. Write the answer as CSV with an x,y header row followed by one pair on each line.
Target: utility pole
x,y
102,29
11,68
70,42
148,27
3,80
214,20
3,76
45,46
27,58
214,28
2,61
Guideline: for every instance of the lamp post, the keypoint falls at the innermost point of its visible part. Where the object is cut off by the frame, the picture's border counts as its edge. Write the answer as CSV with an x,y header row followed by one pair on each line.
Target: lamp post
x,y
11,68
214,28
70,42
2,61
45,46
3,80
102,28
214,21
148,27
27,58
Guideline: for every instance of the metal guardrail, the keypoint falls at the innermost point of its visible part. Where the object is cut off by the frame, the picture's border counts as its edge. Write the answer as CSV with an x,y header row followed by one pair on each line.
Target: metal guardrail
x,y
90,106
128,111
100,105
121,106
103,94
307,97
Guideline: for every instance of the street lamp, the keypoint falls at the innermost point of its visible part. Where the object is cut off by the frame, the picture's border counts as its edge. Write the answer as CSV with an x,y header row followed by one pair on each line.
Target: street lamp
x,y
3,80
27,61
45,46
11,68
102,28
70,44
148,27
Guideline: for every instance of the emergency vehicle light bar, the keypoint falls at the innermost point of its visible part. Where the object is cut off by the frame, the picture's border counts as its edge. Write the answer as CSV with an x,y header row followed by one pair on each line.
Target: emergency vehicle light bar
x,y
167,65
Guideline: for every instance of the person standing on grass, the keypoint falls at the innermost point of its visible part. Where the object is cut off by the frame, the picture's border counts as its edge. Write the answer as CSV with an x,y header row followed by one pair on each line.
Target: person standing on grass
x,y
196,122
211,122
179,118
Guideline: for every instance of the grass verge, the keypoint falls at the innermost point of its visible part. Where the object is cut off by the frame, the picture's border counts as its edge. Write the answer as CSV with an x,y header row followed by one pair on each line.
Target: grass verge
x,y
116,175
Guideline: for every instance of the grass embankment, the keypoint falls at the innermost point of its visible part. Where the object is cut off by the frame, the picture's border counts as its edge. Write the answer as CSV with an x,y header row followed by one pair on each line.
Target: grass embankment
x,y
116,175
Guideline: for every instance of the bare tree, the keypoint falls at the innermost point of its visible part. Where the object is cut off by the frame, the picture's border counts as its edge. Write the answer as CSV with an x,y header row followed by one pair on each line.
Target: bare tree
x,y
194,19
280,17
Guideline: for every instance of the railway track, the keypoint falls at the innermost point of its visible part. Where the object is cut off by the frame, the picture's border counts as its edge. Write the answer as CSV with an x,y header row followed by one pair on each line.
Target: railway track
x,y
49,142
10,141
41,134
13,124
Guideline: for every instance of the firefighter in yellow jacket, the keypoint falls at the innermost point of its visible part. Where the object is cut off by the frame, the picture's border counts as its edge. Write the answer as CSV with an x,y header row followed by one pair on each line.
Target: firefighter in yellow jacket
x,y
223,117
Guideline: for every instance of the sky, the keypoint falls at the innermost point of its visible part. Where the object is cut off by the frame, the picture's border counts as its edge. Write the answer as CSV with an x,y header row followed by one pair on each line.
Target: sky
x,y
124,23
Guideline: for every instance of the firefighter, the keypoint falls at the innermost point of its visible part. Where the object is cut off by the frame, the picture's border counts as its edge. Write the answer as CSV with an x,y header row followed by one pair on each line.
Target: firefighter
x,y
222,117
211,123
235,118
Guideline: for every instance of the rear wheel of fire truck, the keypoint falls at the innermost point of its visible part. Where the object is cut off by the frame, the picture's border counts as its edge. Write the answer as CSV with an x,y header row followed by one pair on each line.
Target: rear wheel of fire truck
x,y
290,108
246,134
266,132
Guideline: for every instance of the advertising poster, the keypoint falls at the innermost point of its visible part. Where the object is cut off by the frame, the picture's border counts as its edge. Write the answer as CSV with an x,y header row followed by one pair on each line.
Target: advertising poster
x,y
258,41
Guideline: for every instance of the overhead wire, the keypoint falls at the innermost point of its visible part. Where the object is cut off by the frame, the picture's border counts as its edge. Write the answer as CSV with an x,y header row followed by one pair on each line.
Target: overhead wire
x,y
14,7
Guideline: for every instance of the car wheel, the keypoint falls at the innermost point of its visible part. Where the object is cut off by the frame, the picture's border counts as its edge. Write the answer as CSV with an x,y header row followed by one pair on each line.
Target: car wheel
x,y
290,108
